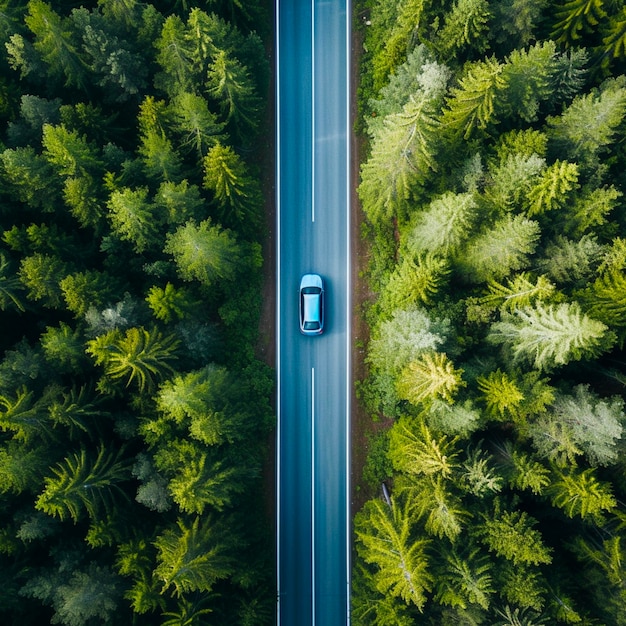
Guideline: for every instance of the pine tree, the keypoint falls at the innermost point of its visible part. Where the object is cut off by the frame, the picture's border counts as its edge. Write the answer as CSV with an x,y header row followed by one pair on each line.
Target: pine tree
x,y
577,18
413,449
444,225
236,193
385,540
528,75
553,189
415,281
230,85
551,335
195,555
501,395
581,494
401,338
511,534
512,178
429,377
465,25
42,274
80,483
589,124
403,152
465,579
134,218
140,356
68,152
171,303
498,251
471,104
440,510
56,43
519,292
204,252
198,126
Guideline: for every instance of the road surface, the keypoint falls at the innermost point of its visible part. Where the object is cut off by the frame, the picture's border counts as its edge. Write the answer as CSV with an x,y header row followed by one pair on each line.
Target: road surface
x,y
313,513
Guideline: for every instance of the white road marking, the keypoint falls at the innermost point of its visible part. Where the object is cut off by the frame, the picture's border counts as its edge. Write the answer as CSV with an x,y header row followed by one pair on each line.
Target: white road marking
x,y
277,323
313,494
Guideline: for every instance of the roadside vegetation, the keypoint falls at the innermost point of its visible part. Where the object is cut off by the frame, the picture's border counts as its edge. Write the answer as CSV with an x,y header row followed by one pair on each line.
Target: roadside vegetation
x,y
493,193
133,413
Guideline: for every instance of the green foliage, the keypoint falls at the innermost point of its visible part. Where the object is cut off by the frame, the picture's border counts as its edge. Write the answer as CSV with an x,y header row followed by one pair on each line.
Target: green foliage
x,y
107,112
467,24
471,104
580,493
429,377
511,535
401,564
515,192
496,252
413,449
204,252
138,356
444,225
82,483
403,152
575,18
194,556
551,335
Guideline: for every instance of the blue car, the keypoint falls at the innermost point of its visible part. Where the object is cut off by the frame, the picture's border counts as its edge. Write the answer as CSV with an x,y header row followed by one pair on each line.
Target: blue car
x,y
311,304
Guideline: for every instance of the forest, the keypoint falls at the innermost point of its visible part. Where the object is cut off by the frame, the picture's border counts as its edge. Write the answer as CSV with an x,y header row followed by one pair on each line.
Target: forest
x,y
135,414
492,185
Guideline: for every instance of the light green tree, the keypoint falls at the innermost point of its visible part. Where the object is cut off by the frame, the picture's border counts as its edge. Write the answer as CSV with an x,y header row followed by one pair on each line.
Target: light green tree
x,y
69,153
589,124
171,303
195,554
414,281
499,250
204,252
440,510
236,192
465,579
511,535
197,125
139,356
511,179
403,152
384,539
134,218
582,494
444,225
553,189
465,25
529,78
179,202
471,105
519,291
414,449
551,335
430,376
42,274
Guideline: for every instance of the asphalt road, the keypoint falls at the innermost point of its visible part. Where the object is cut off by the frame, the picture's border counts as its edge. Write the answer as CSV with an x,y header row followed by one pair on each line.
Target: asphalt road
x,y
313,372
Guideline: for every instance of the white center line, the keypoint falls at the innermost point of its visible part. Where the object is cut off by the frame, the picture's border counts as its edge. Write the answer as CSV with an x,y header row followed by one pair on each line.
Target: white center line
x,y
313,111
313,494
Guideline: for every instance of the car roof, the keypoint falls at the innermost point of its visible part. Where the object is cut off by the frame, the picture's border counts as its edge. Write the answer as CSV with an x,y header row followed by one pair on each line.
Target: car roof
x,y
312,307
